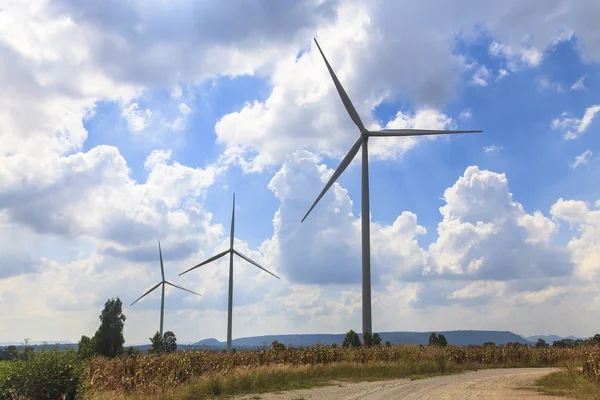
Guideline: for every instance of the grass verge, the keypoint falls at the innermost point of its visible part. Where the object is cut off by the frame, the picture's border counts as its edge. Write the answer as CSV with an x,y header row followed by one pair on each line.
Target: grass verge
x,y
568,383
282,378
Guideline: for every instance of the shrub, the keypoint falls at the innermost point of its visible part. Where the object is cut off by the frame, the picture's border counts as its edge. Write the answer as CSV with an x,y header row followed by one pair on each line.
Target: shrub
x,y
47,374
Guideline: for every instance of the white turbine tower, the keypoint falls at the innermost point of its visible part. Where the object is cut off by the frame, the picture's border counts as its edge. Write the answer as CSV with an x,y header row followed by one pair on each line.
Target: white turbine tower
x,y
231,251
365,215
163,282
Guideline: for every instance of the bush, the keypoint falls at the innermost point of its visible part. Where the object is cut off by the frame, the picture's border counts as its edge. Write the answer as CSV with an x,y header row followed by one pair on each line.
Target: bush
x,y
48,374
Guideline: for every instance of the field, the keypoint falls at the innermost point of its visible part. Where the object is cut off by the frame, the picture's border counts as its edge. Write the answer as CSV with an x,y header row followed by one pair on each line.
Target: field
x,y
219,373
205,374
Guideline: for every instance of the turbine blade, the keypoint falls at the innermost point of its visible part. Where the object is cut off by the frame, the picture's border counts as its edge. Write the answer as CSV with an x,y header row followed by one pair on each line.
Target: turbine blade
x,y
414,132
162,268
232,223
179,287
254,263
148,292
213,258
345,99
343,165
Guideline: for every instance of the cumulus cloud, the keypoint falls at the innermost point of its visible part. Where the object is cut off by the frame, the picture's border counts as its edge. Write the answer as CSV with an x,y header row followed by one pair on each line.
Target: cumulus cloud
x,y
586,220
137,119
485,235
60,58
573,127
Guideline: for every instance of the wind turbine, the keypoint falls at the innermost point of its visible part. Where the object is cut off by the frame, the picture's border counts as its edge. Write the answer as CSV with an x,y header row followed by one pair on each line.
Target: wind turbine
x,y
231,251
162,299
363,139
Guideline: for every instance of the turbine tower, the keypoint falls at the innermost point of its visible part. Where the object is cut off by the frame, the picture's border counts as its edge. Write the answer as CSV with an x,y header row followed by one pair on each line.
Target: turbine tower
x,y
363,139
162,299
231,251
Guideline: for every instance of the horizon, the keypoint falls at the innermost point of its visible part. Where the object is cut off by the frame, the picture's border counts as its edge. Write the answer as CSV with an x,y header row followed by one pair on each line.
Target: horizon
x,y
224,340
124,125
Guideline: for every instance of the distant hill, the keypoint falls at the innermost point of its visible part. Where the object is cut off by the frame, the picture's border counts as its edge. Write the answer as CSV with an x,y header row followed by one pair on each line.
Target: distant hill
x,y
548,338
461,338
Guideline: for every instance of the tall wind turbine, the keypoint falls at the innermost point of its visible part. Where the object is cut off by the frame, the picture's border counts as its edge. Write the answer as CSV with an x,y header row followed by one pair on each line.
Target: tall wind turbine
x,y
365,215
231,251
163,282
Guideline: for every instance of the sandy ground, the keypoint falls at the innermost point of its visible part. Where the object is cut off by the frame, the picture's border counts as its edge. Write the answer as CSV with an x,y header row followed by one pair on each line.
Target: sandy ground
x,y
503,384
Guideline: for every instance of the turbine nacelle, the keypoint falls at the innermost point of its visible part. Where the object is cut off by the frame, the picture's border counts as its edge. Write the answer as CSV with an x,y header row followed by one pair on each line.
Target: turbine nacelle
x,y
365,134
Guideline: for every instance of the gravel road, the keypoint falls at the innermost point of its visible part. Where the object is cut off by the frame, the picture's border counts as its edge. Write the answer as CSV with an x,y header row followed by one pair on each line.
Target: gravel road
x,y
505,384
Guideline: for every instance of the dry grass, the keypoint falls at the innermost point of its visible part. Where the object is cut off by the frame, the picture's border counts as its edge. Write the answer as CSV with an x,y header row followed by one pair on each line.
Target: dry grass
x,y
280,378
569,383
206,374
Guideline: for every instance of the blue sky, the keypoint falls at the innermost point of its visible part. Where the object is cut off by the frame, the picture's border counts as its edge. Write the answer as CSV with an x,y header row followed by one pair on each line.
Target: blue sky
x,y
112,147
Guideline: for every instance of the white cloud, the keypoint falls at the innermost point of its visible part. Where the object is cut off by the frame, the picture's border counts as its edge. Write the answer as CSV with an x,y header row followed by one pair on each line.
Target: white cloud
x,y
485,234
137,119
465,114
579,85
93,224
492,148
586,247
582,159
545,83
481,75
502,73
517,55
575,127
478,289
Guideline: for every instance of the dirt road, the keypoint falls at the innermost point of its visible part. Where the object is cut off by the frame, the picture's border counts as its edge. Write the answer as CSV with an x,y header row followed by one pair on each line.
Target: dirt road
x,y
505,384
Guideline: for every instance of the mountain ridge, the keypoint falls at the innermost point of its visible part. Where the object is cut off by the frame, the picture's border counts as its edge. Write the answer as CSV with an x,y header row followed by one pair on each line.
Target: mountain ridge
x,y
456,337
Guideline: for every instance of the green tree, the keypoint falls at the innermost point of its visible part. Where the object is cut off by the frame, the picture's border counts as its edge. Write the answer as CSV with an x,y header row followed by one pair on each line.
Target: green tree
x,y
12,352
351,339
367,339
277,345
109,336
86,347
541,343
376,340
169,342
489,344
387,343
157,343
437,340
594,340
442,340
433,339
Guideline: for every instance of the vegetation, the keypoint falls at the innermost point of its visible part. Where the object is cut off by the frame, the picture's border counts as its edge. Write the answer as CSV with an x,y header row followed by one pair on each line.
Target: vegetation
x,y
163,373
102,368
570,384
47,374
157,343
351,339
437,340
109,339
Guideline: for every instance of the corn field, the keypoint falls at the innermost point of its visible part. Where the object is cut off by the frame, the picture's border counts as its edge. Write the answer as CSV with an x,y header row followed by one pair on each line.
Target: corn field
x,y
166,371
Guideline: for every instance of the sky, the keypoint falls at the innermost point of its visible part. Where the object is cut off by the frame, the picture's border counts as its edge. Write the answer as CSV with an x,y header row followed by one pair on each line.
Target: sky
x,y
125,123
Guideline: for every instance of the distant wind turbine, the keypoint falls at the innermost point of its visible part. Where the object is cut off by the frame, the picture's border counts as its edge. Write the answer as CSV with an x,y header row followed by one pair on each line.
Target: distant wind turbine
x,y
231,251
365,215
163,282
